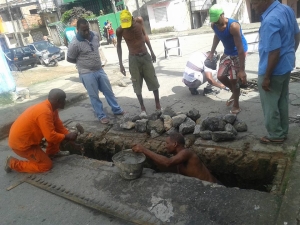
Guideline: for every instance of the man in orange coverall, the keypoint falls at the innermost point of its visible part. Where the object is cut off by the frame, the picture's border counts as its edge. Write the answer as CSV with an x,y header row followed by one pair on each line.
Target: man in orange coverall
x,y
26,133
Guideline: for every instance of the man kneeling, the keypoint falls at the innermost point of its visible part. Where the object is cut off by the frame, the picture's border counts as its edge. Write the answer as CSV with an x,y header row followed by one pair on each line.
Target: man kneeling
x,y
199,70
27,132
187,162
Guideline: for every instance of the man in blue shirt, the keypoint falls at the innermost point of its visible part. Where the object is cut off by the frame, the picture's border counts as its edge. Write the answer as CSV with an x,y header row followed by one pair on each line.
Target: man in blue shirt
x,y
279,40
232,62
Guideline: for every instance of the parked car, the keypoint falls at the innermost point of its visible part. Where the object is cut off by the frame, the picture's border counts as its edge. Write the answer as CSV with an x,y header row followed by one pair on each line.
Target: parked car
x,y
20,57
40,47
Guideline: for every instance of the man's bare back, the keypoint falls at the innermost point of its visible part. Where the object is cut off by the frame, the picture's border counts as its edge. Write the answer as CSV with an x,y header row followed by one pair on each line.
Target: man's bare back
x,y
193,167
135,36
187,162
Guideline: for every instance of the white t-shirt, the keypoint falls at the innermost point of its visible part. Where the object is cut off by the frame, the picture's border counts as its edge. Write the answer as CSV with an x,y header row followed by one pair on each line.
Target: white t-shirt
x,y
197,59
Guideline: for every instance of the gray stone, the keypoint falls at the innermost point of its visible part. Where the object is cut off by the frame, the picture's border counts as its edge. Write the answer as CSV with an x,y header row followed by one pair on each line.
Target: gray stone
x,y
167,122
199,121
156,125
126,118
240,126
230,128
194,114
153,116
205,134
172,129
141,125
127,125
197,130
168,111
213,124
177,120
229,118
187,126
154,134
135,118
222,136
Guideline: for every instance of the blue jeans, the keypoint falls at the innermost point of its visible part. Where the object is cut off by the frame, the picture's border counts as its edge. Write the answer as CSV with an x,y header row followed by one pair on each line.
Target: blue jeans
x,y
95,82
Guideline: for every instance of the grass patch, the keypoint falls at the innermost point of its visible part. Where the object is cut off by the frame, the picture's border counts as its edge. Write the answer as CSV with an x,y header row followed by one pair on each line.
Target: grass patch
x,y
6,98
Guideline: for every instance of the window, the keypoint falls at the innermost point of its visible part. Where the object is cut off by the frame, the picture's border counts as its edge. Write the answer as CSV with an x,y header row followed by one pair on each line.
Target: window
x,y
31,47
160,14
33,11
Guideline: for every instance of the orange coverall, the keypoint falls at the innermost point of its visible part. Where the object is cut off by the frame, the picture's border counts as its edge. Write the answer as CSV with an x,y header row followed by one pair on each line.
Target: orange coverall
x,y
26,134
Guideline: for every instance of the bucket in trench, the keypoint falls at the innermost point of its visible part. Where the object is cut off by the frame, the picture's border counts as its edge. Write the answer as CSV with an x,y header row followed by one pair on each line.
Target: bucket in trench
x,y
129,163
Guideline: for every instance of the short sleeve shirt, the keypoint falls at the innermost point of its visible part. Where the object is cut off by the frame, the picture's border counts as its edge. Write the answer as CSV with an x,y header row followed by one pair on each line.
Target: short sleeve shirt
x,y
191,74
86,54
278,29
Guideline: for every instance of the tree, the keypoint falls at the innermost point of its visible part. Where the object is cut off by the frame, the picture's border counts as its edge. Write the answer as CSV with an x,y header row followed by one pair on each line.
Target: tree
x,y
76,13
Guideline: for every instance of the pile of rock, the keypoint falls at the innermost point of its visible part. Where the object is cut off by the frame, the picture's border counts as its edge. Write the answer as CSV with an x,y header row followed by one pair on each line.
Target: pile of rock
x,y
221,128
215,128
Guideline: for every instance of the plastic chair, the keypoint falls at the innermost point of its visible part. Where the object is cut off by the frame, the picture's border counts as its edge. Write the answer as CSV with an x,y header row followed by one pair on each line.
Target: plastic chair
x,y
172,43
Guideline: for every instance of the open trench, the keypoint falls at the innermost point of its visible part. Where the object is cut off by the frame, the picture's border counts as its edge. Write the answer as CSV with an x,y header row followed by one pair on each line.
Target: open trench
x,y
241,168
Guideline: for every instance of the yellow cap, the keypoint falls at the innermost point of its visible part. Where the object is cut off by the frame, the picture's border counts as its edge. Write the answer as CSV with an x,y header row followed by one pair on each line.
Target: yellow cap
x,y
126,19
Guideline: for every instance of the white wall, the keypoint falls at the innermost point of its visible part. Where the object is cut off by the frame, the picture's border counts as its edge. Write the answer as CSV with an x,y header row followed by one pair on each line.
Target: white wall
x,y
177,14
230,7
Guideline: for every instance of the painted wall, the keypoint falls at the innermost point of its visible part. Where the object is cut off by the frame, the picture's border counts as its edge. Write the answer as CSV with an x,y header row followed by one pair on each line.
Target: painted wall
x,y
30,21
7,82
178,15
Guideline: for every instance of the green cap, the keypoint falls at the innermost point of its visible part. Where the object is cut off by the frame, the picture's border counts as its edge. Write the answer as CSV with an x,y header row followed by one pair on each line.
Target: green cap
x,y
214,12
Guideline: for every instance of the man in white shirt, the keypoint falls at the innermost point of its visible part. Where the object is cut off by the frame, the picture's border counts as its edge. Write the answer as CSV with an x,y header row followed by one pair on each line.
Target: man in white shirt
x,y
199,70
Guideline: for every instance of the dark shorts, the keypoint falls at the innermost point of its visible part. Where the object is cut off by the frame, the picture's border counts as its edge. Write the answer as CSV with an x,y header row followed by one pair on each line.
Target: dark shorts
x,y
141,68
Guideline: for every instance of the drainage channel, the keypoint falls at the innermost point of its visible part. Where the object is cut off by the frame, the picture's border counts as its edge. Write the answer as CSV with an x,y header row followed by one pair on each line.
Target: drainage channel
x,y
241,168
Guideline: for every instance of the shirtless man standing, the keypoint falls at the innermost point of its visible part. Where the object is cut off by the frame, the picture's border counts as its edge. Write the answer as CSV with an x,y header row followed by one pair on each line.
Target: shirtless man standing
x,y
187,162
140,62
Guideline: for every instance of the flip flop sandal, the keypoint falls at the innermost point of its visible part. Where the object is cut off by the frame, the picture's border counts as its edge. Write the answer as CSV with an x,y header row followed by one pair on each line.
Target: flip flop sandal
x,y
265,140
237,111
229,102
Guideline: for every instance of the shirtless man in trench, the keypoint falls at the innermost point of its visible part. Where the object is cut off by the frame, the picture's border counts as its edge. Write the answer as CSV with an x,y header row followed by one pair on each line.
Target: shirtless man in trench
x,y
140,61
187,162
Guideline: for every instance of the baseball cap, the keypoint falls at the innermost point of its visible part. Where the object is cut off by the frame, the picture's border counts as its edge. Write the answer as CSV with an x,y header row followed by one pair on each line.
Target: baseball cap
x,y
126,19
212,64
214,12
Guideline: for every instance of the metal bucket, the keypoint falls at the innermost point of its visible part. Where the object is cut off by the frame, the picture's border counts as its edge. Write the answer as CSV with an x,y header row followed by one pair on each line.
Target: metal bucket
x,y
129,163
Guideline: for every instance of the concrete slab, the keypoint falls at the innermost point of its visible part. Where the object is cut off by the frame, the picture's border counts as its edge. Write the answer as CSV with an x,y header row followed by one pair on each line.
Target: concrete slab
x,y
156,198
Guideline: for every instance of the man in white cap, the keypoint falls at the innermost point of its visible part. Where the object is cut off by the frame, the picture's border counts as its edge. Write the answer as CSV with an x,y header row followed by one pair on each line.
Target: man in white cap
x,y
140,61
232,62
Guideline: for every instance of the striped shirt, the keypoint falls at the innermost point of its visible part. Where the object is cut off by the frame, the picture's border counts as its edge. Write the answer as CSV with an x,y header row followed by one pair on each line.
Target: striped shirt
x,y
86,53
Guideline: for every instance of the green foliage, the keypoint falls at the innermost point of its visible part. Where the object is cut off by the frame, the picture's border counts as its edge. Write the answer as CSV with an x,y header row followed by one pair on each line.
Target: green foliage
x,y
66,16
76,13
162,30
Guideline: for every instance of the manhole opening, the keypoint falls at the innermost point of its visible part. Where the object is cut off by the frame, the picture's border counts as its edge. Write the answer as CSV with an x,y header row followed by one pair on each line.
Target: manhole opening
x,y
234,168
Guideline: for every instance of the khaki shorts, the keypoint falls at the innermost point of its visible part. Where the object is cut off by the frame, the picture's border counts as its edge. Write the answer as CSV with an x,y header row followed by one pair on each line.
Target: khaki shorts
x,y
141,68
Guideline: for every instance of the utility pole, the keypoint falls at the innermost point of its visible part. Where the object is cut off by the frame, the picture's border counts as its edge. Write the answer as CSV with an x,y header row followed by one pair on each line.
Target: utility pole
x,y
57,9
13,24
137,7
